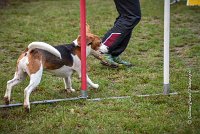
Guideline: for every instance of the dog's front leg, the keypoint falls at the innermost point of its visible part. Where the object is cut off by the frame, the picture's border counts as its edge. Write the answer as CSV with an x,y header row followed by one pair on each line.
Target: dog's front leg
x,y
68,84
89,81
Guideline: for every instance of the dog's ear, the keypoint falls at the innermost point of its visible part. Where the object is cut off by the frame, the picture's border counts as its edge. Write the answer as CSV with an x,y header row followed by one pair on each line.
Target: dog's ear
x,y
88,28
89,39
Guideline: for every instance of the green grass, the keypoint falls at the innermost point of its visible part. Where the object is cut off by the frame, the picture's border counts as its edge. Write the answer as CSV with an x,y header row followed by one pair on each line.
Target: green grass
x,y
57,22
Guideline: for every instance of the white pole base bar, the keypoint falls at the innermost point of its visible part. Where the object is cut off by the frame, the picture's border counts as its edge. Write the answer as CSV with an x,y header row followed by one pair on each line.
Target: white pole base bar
x,y
93,99
78,98
40,102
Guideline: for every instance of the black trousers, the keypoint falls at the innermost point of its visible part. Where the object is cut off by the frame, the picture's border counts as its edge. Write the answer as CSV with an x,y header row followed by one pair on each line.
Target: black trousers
x,y
117,38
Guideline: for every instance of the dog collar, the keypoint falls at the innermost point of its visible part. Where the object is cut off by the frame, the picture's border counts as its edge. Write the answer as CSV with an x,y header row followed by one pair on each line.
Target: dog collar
x,y
75,42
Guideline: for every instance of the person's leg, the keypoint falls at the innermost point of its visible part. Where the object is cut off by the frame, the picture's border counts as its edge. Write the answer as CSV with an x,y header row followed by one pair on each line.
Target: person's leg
x,y
121,47
117,38
129,16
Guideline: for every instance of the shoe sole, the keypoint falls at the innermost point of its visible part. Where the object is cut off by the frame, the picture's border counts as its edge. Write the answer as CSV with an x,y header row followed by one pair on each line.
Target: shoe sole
x,y
109,65
131,65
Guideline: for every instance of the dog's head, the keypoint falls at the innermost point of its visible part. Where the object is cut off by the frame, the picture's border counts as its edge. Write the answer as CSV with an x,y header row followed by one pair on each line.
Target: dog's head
x,y
92,40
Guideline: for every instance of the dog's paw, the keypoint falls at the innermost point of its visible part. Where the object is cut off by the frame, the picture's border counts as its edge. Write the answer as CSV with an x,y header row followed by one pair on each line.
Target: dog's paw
x,y
95,86
73,90
27,108
70,90
6,100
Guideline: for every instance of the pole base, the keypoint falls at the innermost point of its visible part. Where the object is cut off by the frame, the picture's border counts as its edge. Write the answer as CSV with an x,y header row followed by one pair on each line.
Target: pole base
x,y
84,94
166,89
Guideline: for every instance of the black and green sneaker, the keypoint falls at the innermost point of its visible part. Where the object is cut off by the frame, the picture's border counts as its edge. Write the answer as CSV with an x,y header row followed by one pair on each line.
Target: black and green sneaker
x,y
108,61
118,60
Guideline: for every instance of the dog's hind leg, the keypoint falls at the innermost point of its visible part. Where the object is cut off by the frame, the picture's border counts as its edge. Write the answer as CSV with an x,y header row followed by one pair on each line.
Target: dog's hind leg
x,y
18,77
68,84
34,82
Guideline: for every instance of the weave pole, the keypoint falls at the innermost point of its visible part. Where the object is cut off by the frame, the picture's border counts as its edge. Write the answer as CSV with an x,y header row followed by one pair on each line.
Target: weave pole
x,y
83,49
166,46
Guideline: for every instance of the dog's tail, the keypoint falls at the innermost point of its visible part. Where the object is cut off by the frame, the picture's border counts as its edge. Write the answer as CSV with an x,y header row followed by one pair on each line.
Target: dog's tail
x,y
44,46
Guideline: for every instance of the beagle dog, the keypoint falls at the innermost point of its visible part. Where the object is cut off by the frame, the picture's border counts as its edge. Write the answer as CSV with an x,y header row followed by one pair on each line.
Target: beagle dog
x,y
59,60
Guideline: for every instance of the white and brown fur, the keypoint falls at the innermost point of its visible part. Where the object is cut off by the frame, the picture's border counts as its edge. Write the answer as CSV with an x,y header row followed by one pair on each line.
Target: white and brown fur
x,y
60,60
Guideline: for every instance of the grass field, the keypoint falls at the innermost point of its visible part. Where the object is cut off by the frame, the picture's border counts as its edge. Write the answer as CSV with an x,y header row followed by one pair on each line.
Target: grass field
x,y
57,22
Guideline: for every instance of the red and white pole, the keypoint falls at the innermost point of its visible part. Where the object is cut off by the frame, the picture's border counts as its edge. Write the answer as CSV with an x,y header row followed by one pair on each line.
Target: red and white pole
x,y
83,49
